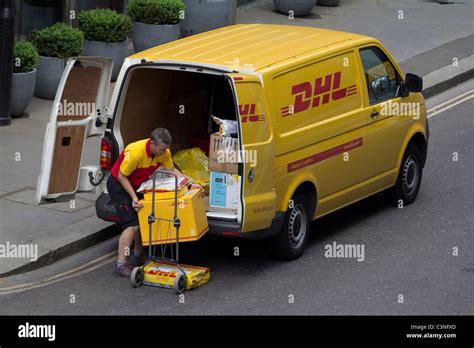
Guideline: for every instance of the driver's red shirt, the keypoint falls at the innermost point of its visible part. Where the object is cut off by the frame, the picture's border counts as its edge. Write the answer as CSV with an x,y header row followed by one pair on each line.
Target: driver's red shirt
x,y
137,162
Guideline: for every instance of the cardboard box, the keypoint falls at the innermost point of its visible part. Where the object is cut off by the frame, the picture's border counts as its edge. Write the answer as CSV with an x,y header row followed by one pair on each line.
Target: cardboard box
x,y
224,190
223,154
191,212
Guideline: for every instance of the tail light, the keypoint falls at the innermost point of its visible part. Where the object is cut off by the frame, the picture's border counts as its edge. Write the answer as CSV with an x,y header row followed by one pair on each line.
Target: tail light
x,y
105,154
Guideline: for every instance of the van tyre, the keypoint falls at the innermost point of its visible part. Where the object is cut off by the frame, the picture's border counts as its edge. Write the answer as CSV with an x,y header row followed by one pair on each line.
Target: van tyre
x,y
291,241
409,177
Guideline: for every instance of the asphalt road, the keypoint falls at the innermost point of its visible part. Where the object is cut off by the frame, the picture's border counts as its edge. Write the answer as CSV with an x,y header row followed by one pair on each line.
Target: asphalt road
x,y
410,266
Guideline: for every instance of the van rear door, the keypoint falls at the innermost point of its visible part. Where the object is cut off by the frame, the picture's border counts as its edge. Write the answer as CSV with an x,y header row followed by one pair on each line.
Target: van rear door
x,y
258,153
79,112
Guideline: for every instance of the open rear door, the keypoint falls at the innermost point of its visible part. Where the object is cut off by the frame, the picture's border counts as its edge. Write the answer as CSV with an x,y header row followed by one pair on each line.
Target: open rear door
x,y
79,112
258,153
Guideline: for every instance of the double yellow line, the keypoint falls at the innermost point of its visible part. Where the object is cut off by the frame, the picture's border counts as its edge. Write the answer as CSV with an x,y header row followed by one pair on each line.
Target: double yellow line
x,y
87,267
450,103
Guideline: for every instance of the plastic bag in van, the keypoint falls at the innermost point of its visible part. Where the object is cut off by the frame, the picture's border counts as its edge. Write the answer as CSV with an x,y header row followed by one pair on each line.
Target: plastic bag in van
x,y
226,127
194,163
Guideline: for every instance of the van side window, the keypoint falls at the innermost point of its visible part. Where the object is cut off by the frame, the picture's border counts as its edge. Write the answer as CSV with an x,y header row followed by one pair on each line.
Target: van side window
x,y
381,76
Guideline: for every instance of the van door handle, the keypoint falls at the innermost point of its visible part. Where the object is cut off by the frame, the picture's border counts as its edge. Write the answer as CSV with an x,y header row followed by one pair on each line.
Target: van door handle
x,y
374,114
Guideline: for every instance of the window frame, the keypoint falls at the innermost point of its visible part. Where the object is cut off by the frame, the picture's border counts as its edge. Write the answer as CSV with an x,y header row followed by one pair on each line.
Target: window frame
x,y
399,77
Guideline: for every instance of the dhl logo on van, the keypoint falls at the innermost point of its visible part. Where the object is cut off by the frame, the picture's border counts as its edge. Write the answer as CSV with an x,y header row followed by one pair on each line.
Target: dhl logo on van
x,y
307,96
247,113
159,273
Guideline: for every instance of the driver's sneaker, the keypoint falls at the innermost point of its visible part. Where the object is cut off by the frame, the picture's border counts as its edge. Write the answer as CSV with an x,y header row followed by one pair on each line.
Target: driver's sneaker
x,y
124,270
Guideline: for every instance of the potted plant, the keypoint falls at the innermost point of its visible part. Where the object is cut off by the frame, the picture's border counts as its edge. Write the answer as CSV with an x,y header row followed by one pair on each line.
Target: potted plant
x,y
105,32
206,15
295,7
25,61
328,2
155,22
55,44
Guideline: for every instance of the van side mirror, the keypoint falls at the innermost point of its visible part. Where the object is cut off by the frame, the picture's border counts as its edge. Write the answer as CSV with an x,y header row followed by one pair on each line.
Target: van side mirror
x,y
380,85
413,83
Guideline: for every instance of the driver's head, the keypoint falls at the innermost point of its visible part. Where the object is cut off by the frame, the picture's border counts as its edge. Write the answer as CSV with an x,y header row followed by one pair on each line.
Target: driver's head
x,y
160,140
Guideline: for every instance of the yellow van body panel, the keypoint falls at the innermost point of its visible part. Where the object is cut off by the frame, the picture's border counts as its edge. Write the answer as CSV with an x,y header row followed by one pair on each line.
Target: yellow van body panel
x,y
258,153
307,93
247,46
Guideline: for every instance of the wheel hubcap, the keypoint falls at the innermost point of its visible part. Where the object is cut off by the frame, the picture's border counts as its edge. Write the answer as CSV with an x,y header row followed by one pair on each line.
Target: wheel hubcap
x,y
297,226
410,175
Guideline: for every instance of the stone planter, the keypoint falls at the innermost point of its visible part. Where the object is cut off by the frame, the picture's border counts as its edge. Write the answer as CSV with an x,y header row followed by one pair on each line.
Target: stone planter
x,y
48,76
206,15
23,86
328,3
117,51
299,7
145,36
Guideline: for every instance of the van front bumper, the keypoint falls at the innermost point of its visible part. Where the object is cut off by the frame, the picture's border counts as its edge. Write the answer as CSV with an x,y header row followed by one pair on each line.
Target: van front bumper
x,y
105,210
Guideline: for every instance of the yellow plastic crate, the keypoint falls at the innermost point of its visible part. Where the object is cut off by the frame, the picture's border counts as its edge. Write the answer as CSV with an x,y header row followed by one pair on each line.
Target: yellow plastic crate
x,y
191,212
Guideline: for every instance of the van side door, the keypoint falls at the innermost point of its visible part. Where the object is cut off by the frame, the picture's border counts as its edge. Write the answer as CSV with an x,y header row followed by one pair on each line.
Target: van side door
x,y
257,153
321,133
388,120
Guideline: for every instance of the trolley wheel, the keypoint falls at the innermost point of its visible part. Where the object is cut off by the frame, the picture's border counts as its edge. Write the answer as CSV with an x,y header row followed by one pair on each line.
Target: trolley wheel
x,y
136,278
179,283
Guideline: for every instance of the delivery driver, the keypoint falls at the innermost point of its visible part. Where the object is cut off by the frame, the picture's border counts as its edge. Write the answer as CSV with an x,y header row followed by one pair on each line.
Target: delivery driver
x,y
135,164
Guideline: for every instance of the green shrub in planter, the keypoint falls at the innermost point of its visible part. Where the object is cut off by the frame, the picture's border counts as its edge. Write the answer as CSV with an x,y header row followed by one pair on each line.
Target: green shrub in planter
x,y
104,25
106,34
25,61
155,22
54,44
25,57
156,11
58,40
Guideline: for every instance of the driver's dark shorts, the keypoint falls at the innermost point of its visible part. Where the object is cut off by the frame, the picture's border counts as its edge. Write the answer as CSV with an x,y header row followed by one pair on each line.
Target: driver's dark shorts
x,y
123,203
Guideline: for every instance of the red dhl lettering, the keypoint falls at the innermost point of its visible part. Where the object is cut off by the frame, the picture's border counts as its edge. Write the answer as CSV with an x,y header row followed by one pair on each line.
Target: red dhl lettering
x,y
324,90
163,273
247,113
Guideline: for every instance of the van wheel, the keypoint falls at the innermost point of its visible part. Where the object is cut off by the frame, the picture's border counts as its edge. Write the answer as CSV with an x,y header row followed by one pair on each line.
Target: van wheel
x,y
290,243
409,177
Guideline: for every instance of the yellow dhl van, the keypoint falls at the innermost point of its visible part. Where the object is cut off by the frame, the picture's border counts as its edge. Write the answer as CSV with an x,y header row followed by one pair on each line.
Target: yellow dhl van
x,y
330,116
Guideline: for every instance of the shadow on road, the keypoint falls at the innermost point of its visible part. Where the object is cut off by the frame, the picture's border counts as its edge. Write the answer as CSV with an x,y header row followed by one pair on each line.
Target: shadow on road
x,y
254,256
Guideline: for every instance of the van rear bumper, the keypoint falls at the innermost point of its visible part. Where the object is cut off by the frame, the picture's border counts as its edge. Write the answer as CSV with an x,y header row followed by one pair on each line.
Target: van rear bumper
x,y
105,210
222,228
